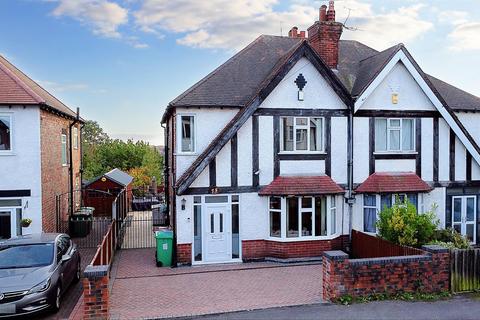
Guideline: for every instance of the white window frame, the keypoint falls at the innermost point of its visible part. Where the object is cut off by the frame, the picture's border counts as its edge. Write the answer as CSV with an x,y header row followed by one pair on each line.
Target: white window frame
x,y
307,127
75,138
11,128
180,130
64,145
329,210
400,129
270,210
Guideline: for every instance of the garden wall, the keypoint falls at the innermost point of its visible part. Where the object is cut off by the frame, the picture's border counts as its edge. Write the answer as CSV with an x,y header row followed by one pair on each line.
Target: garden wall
x,y
428,273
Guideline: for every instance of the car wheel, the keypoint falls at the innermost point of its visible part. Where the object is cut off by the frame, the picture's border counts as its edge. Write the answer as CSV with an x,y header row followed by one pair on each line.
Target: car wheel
x,y
57,301
78,273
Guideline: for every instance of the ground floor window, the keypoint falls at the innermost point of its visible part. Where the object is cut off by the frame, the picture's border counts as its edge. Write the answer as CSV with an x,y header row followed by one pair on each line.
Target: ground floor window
x,y
297,217
374,203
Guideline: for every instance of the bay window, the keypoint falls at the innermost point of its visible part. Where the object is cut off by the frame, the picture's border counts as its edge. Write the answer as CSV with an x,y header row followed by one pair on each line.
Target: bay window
x,y
394,135
302,134
302,216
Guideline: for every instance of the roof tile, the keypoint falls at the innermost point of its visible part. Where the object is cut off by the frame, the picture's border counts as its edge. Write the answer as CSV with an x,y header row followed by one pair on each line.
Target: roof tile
x,y
301,186
389,182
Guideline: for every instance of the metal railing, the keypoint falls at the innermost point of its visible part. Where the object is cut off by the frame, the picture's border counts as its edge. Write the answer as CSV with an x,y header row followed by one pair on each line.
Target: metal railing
x,y
106,250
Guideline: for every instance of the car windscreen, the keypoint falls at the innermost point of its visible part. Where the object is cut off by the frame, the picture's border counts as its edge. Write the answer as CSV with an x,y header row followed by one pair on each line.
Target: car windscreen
x,y
26,256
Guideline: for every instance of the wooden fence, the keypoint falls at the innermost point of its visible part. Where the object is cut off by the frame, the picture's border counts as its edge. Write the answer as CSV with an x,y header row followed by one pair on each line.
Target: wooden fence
x,y
106,249
368,246
465,270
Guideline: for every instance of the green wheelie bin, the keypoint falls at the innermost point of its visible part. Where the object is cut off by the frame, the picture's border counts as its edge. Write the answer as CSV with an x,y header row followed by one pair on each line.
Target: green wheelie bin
x,y
164,251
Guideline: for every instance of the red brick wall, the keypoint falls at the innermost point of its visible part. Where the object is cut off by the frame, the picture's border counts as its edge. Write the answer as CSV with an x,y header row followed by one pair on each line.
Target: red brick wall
x,y
184,253
260,249
360,277
55,176
96,296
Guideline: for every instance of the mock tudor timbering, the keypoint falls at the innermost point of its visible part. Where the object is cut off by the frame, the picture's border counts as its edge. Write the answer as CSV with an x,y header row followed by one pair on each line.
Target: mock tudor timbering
x,y
257,170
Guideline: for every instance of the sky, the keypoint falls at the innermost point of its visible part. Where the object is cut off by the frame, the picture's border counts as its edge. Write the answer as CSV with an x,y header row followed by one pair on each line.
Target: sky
x,y
122,61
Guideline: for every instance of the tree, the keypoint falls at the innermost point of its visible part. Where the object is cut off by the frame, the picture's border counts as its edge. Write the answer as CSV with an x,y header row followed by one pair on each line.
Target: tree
x,y
93,134
401,224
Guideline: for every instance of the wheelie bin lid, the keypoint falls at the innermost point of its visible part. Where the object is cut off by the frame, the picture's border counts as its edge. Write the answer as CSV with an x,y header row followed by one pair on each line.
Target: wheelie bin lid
x,y
164,234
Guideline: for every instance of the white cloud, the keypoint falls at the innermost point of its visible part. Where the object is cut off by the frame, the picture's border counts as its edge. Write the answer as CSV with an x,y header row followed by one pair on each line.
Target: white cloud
x,y
453,17
465,37
231,24
62,87
103,16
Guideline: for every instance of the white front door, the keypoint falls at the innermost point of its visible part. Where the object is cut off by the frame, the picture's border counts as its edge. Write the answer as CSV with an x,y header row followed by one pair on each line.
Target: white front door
x,y
217,226
464,213
8,223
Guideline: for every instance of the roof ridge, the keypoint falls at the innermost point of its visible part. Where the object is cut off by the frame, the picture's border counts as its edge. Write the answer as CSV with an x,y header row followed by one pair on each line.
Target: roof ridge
x,y
398,46
18,81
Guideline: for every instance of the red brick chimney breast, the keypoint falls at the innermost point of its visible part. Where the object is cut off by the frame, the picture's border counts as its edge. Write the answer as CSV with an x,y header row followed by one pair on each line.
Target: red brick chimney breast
x,y
324,36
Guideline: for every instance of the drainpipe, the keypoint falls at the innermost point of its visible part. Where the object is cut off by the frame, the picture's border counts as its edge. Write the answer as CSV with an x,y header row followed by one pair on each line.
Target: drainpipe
x,y
77,120
166,175
351,199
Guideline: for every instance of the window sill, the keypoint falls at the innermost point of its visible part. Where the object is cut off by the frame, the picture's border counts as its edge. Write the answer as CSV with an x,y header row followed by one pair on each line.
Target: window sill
x,y
185,154
7,153
301,152
395,152
306,238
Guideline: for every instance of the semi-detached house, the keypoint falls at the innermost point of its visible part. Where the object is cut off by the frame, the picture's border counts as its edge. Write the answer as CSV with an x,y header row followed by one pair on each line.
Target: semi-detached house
x,y
295,140
40,155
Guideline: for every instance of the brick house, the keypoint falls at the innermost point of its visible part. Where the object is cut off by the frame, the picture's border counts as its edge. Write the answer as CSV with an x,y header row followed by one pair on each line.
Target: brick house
x,y
294,141
40,154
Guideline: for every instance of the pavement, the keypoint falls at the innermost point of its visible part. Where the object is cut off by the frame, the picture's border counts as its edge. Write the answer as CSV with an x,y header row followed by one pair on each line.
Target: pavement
x,y
141,290
459,307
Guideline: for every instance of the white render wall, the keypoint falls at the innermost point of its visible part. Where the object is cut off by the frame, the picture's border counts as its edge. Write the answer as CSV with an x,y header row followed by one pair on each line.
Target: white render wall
x,y
400,81
21,169
427,149
360,149
265,151
339,149
318,93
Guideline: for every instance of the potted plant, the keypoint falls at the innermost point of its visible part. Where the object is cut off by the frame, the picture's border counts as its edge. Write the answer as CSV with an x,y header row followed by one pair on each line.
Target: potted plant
x,y
25,223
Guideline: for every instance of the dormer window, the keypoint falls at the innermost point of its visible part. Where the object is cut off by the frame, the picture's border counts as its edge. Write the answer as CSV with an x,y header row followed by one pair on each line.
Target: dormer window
x,y
394,135
302,134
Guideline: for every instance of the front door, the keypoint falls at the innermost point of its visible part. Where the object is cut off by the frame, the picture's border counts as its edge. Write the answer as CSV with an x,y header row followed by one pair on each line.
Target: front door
x,y
464,216
8,224
217,224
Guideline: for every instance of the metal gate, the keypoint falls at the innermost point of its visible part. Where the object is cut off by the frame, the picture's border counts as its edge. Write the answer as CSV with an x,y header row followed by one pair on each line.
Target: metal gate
x,y
465,270
138,219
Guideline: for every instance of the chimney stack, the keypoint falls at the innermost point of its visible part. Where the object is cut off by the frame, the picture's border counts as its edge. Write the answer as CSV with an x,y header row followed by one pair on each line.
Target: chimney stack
x,y
293,33
324,35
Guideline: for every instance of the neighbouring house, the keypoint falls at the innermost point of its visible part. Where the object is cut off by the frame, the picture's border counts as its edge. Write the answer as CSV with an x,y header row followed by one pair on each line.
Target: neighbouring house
x,y
102,191
294,141
40,154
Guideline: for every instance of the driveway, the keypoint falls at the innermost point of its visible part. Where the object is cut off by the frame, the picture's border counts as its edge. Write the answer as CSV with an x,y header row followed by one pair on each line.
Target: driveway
x,y
141,290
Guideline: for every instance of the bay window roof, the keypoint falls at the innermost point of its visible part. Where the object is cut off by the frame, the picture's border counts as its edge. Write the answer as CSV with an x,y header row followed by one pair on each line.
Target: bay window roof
x,y
392,182
301,186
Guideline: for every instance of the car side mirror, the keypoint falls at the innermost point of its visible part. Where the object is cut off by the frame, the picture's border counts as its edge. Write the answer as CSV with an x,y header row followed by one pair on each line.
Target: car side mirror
x,y
66,257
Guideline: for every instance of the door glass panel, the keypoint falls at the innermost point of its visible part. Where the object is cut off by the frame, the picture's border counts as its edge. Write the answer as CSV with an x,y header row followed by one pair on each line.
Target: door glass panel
x,y
216,199
457,227
212,223
235,231
470,232
221,222
457,209
470,209
197,231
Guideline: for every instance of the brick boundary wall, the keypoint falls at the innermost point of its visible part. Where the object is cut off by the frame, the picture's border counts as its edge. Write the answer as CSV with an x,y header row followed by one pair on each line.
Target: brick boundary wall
x,y
95,292
426,273
184,253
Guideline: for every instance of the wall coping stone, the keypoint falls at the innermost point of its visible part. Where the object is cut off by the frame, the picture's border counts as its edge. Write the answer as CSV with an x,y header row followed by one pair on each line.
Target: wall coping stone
x,y
335,255
435,248
96,271
389,260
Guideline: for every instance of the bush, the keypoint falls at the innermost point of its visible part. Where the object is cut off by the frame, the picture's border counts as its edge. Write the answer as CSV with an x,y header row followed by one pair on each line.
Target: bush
x,y
402,225
451,239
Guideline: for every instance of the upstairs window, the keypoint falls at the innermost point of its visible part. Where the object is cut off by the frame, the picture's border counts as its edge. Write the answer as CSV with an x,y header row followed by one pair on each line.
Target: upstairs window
x,y
302,134
64,150
187,133
394,135
75,138
5,132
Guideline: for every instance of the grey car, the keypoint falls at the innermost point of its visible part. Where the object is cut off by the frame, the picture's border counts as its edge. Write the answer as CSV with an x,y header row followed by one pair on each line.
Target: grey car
x,y
35,271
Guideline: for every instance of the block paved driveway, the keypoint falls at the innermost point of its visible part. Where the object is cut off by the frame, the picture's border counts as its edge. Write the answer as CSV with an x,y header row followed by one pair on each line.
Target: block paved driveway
x,y
141,290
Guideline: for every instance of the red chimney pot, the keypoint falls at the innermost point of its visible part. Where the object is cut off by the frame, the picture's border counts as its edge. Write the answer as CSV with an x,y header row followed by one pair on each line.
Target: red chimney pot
x,y
331,11
323,13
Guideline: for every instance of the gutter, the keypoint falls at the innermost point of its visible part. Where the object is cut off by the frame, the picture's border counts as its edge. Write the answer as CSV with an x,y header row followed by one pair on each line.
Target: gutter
x,y
77,120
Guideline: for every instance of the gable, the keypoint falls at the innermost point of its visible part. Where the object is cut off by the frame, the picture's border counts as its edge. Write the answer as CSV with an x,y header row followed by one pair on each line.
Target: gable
x,y
400,82
317,92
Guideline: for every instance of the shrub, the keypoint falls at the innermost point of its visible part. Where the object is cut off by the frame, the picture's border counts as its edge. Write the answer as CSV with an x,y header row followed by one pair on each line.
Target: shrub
x,y
451,239
402,225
